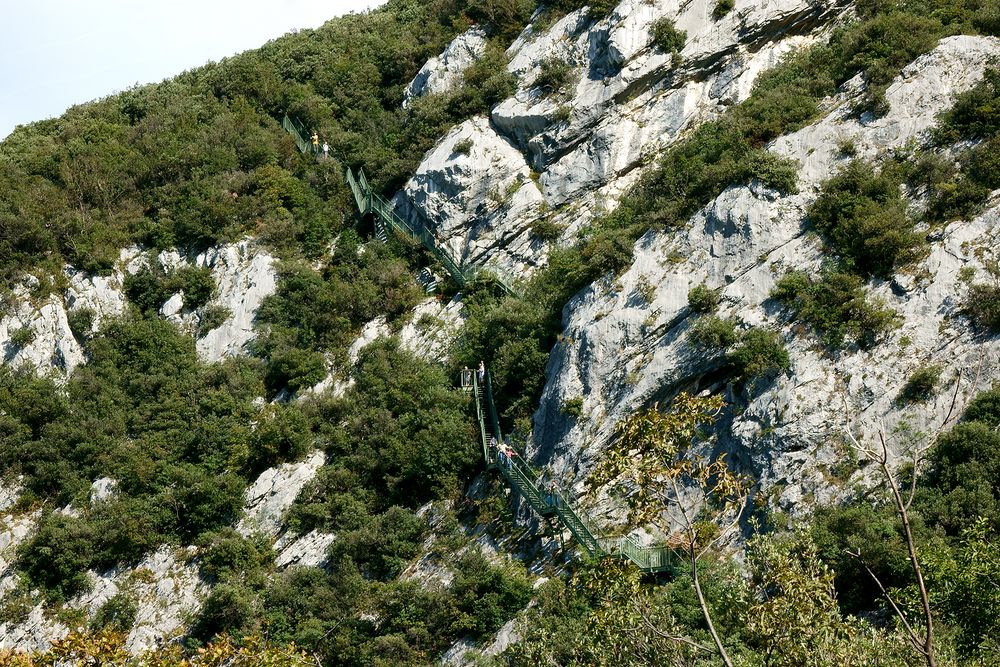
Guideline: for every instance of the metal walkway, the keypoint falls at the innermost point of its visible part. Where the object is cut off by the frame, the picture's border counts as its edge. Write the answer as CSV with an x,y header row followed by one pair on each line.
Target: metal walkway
x,y
387,220
550,502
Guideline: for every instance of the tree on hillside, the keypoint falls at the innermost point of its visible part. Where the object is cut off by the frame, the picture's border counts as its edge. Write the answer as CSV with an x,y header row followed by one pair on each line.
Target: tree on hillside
x,y
655,460
879,450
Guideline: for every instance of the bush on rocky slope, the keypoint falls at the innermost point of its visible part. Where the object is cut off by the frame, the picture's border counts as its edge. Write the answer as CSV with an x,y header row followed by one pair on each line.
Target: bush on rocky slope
x,y
837,306
862,216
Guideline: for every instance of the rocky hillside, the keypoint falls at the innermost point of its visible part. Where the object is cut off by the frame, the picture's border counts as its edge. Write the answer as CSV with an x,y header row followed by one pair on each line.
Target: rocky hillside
x,y
659,178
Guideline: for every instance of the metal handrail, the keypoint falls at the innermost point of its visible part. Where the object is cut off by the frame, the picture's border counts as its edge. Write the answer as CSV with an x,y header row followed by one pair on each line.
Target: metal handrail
x,y
552,502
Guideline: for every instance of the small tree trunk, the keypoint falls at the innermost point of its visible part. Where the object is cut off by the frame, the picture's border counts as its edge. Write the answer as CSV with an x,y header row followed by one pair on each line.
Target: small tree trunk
x,y
704,608
904,515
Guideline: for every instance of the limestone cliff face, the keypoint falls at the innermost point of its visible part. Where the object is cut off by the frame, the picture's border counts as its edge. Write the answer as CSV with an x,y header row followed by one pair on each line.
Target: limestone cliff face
x,y
622,351
569,155
574,151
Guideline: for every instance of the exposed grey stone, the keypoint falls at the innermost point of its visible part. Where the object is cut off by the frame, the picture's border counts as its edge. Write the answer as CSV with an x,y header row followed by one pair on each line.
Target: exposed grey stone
x,y
443,72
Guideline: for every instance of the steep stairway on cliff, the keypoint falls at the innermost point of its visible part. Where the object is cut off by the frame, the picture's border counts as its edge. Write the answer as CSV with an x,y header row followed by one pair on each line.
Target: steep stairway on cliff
x,y
386,220
547,500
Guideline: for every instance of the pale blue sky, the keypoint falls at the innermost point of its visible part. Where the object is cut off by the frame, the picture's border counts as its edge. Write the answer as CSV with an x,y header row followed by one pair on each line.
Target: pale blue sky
x,y
57,53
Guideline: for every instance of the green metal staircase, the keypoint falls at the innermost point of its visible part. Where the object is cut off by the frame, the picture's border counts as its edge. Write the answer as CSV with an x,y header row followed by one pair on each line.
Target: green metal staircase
x,y
386,220
551,502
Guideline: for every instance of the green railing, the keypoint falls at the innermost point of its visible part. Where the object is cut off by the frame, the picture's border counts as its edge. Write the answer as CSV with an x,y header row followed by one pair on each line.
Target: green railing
x,y
384,211
551,502
301,135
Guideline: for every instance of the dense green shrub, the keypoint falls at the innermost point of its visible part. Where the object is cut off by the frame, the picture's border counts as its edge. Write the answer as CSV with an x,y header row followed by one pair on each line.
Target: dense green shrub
x,y
58,555
961,482
921,384
464,146
554,75
212,317
837,306
862,216
81,322
229,607
383,546
702,299
722,7
488,595
22,337
975,114
149,289
572,407
985,408
544,229
175,433
666,37
982,306
596,9
399,436
118,613
714,333
873,531
228,556
758,353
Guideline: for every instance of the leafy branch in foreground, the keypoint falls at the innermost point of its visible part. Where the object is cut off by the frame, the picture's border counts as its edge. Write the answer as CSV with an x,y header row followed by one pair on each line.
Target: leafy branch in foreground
x,y
656,457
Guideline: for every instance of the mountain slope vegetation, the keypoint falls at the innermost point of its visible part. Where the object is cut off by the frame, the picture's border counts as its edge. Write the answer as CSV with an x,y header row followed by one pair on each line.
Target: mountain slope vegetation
x,y
201,160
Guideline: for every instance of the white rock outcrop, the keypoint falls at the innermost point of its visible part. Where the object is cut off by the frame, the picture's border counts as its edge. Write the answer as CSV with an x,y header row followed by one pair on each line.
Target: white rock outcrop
x,y
273,492
165,587
307,550
570,154
244,275
36,333
443,72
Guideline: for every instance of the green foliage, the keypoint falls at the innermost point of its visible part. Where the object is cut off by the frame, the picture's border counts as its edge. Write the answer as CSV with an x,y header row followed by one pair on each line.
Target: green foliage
x,y
544,229
961,482
148,290
714,333
573,407
227,556
316,313
837,306
985,408
383,546
118,613
56,558
982,306
212,317
504,18
759,353
399,436
875,533
596,9
81,322
975,114
862,216
22,337
464,146
961,192
229,607
488,595
702,299
722,7
666,37
965,590
921,384
176,435
554,75
791,611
